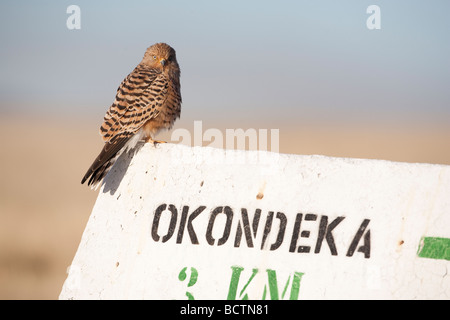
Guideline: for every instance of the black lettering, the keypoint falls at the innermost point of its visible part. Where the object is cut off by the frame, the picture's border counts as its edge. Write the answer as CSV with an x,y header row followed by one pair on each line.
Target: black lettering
x,y
281,230
325,230
155,223
173,221
190,228
268,227
306,233
247,228
226,232
364,248
295,232
303,234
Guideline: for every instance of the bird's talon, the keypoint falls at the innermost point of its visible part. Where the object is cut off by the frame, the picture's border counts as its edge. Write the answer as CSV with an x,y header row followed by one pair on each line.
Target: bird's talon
x,y
155,142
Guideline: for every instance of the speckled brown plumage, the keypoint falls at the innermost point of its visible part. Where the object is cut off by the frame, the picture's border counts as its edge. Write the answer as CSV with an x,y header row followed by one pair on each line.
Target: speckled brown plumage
x,y
147,100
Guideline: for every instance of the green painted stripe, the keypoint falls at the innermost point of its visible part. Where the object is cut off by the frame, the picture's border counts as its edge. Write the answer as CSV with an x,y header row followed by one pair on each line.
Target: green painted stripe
x,y
434,248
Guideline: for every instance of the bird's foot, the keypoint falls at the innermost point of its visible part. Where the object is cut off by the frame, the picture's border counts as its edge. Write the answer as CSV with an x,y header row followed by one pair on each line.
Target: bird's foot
x,y
155,142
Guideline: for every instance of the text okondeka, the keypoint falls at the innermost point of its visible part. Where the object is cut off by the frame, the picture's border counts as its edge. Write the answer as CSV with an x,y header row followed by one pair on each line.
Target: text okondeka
x,y
258,231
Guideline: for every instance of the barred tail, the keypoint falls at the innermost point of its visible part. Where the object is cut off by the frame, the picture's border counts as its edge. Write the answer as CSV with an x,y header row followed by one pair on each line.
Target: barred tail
x,y
94,176
105,160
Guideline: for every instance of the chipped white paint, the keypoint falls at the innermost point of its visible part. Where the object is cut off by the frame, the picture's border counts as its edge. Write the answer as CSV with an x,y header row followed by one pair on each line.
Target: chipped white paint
x,y
328,228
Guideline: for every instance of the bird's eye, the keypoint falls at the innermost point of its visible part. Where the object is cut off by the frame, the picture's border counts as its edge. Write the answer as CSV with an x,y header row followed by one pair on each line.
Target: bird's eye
x,y
154,57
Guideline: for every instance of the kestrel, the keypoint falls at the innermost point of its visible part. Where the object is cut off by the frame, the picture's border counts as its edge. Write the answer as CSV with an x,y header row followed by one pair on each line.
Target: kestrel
x,y
147,100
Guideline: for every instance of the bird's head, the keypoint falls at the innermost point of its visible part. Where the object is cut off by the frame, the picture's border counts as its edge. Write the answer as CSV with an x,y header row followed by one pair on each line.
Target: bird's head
x,y
160,56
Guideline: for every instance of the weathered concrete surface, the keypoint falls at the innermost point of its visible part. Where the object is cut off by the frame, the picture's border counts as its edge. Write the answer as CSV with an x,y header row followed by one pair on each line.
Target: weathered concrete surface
x,y
175,222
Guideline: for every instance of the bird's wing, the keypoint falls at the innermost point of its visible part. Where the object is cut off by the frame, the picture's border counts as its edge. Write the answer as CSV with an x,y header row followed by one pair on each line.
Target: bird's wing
x,y
139,98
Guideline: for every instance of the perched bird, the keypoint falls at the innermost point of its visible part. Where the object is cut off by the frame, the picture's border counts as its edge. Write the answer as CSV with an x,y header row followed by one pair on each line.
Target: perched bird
x,y
147,100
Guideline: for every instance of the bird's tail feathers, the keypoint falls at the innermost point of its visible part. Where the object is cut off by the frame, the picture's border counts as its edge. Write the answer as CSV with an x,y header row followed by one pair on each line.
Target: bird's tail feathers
x,y
97,175
107,157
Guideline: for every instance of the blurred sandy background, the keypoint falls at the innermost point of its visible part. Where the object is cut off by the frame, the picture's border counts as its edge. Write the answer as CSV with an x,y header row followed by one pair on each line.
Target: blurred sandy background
x,y
310,69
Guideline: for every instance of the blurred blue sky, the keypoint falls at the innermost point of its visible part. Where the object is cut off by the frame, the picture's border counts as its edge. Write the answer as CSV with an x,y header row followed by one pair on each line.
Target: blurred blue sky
x,y
279,60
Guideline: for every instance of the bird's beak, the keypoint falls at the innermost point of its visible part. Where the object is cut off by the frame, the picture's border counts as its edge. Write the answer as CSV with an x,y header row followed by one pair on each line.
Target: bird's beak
x,y
163,62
